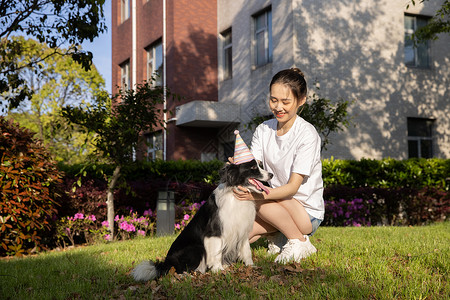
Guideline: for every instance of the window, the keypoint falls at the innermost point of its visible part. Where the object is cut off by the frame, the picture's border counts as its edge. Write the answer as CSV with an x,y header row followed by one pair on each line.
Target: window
x,y
206,156
415,55
124,10
155,146
227,54
155,64
263,38
125,76
420,137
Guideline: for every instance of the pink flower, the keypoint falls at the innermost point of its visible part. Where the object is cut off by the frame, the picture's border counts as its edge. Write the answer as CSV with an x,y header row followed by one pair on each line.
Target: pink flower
x,y
105,224
141,232
131,228
177,226
92,218
123,225
148,213
127,227
186,217
79,216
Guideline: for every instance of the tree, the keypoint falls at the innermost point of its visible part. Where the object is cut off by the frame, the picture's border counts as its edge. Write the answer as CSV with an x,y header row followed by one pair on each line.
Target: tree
x,y
326,116
117,123
57,23
58,82
440,23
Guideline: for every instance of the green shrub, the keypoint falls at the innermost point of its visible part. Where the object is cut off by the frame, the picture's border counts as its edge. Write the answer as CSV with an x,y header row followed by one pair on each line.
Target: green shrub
x,y
28,180
178,170
395,192
387,173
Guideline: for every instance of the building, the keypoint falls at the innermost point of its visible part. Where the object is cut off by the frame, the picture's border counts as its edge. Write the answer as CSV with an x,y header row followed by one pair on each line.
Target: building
x,y
355,50
188,30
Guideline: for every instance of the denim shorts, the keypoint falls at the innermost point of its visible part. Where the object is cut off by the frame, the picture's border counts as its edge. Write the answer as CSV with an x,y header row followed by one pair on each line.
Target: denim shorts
x,y
315,224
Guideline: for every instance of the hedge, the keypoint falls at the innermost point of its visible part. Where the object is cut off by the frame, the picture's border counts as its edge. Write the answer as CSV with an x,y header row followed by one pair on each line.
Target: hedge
x,y
357,193
138,195
179,170
385,173
392,192
366,206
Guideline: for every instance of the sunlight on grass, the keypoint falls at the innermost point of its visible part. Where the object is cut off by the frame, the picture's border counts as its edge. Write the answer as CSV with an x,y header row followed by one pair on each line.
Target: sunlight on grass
x,y
351,263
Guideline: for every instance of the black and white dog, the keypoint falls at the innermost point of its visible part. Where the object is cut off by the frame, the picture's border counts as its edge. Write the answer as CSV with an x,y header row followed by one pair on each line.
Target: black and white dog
x,y
218,234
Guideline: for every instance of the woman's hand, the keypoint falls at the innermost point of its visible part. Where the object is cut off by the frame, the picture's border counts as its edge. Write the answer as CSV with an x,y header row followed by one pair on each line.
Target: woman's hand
x,y
244,194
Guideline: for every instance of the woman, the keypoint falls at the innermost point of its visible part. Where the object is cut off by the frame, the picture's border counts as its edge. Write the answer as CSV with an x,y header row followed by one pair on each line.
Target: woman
x,y
288,147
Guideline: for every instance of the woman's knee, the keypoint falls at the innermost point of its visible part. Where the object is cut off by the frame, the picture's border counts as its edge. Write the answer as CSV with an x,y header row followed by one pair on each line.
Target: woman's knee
x,y
262,204
298,214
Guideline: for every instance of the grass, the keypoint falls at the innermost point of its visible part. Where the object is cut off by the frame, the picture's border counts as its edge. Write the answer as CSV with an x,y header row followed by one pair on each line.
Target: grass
x,y
352,263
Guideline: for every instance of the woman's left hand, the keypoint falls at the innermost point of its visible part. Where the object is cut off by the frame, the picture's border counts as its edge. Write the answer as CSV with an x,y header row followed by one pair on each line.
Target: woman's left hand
x,y
244,194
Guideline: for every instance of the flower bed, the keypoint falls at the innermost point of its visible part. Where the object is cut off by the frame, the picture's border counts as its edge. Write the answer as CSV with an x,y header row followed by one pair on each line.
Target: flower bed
x,y
81,229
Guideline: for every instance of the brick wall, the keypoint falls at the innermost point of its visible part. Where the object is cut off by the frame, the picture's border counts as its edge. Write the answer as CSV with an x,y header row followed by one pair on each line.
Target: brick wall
x,y
191,61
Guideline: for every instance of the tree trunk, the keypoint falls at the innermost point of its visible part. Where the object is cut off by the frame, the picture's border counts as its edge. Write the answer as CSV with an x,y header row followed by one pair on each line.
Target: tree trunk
x,y
110,201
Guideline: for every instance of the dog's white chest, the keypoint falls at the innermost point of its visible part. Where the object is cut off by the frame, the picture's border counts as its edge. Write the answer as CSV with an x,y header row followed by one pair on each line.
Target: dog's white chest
x,y
236,216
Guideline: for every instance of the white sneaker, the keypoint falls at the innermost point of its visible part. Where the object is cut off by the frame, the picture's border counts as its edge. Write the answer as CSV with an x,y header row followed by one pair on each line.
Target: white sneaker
x,y
311,248
295,250
276,242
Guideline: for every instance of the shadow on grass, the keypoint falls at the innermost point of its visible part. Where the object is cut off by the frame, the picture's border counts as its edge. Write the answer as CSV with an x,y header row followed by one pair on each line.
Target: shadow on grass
x,y
62,275
103,272
352,263
265,281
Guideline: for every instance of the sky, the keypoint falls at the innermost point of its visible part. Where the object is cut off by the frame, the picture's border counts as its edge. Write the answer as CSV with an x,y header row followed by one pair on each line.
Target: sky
x,y
101,49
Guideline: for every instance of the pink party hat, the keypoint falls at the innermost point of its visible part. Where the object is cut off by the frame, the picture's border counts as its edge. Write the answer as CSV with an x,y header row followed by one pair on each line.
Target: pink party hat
x,y
241,152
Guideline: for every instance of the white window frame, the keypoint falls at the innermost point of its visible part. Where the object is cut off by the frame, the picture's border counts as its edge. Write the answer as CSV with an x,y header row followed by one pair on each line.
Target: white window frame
x,y
424,48
266,31
151,70
154,145
125,79
227,48
419,139
124,10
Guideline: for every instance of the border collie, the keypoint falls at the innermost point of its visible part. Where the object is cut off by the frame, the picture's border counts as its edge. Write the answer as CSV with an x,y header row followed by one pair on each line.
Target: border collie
x,y
218,233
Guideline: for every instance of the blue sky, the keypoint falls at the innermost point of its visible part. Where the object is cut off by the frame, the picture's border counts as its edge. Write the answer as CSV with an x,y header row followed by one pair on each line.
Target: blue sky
x,y
101,49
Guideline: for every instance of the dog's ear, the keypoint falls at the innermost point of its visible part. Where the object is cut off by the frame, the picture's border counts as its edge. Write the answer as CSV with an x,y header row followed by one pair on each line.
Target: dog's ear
x,y
223,172
229,174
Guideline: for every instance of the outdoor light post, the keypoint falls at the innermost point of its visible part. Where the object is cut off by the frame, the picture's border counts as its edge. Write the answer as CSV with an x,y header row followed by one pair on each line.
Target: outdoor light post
x,y
165,212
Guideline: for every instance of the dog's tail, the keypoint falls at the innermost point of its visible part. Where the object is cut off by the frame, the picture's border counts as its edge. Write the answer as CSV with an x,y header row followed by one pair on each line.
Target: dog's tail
x,y
147,270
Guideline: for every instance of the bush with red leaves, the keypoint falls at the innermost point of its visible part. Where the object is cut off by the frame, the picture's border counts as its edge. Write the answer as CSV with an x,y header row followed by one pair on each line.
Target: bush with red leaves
x,y
28,190
385,206
138,195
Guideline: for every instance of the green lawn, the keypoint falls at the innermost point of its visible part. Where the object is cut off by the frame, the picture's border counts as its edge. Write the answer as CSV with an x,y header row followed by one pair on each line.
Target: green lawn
x,y
351,263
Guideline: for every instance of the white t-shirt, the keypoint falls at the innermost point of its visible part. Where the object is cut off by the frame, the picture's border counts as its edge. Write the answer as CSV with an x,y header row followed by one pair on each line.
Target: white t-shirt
x,y
297,151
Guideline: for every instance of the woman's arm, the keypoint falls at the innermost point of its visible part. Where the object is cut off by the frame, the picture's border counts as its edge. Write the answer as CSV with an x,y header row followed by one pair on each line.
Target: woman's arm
x,y
286,191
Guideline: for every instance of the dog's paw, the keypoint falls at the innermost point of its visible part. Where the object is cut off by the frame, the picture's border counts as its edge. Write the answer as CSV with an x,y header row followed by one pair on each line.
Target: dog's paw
x,y
216,269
